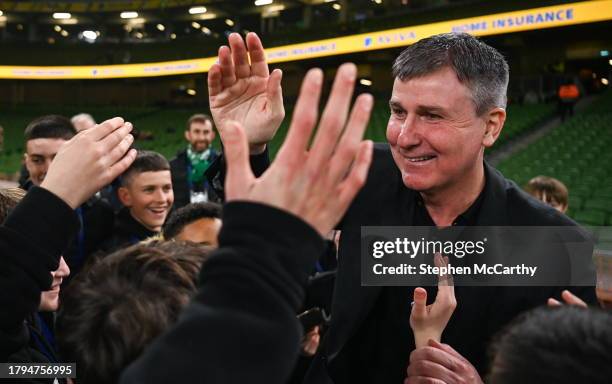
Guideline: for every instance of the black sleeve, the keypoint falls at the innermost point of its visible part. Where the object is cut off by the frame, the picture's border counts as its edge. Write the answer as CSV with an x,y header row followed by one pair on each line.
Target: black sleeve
x,y
32,240
215,173
241,326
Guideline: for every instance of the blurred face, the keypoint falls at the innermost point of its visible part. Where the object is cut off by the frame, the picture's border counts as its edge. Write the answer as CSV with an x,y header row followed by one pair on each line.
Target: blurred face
x,y
39,154
49,300
200,135
436,138
149,197
202,231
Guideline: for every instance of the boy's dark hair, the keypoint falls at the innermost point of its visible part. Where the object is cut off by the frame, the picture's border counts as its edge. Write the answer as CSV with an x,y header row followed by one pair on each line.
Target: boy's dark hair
x,y
548,189
187,215
112,311
146,161
198,118
9,198
560,345
50,127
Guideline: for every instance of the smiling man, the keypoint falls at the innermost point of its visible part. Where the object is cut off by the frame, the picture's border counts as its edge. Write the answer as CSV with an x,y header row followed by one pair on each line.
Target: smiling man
x,y
147,195
447,106
189,165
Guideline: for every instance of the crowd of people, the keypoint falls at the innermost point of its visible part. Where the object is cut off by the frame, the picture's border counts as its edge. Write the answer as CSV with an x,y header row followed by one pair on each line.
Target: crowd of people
x,y
222,266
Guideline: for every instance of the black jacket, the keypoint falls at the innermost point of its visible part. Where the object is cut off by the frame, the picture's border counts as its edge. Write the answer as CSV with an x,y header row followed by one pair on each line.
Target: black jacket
x,y
481,311
126,231
180,185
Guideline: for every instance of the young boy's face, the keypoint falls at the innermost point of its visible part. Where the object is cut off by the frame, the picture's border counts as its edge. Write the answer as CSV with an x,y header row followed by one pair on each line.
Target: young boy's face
x,y
39,155
149,197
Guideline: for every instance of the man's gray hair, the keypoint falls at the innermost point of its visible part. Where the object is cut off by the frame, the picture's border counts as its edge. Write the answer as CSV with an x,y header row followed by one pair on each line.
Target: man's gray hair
x,y
478,66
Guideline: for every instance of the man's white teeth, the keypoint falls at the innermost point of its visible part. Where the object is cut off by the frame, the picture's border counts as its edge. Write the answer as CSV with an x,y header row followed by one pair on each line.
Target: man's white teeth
x,y
422,158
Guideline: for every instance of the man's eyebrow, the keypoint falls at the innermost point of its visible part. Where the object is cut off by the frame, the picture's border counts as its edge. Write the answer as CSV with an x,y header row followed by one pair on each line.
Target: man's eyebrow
x,y
395,104
430,108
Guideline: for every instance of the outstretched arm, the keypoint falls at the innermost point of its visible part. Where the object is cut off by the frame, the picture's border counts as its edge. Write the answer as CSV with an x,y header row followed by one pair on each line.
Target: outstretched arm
x,y
241,89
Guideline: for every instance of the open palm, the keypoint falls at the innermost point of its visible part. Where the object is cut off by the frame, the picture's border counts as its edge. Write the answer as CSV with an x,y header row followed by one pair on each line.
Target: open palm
x,y
246,92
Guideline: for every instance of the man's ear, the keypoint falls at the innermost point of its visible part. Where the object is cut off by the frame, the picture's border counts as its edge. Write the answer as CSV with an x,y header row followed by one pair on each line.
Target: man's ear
x,y
494,122
125,197
187,136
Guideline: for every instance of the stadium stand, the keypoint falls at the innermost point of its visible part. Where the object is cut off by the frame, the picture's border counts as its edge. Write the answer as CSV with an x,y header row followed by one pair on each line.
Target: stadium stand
x,y
577,153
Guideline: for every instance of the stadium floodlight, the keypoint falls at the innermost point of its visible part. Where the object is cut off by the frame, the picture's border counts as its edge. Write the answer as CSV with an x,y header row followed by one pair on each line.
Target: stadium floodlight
x,y
197,10
90,35
191,92
604,81
610,61
206,30
129,15
161,27
173,36
61,15
365,82
229,22
57,28
378,1
196,25
337,6
259,3
1,13
64,33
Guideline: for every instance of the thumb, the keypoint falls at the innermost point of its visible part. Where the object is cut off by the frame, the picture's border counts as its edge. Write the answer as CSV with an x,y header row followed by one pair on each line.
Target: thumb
x,y
420,302
275,91
239,176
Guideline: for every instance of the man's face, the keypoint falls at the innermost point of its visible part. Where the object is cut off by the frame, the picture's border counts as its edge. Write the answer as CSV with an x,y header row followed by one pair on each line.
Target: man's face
x,y
39,154
436,138
203,231
149,197
49,300
200,135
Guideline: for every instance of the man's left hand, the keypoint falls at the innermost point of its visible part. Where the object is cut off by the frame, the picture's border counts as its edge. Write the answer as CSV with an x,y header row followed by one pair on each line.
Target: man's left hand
x,y
438,364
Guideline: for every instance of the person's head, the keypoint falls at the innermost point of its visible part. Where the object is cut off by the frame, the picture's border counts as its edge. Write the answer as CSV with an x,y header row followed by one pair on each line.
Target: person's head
x,y
198,222
112,311
43,137
9,198
559,345
146,189
550,191
82,121
199,132
49,300
447,105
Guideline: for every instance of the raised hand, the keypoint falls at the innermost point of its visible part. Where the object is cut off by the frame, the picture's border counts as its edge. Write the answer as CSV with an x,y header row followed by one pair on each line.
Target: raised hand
x,y
428,321
90,160
316,185
569,299
246,92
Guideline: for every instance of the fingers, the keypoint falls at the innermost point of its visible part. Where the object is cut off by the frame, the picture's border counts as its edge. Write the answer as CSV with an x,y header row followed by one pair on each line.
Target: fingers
x,y
334,116
447,348
572,299
240,56
357,177
275,92
422,380
239,175
351,139
304,117
215,85
102,130
228,74
121,166
259,66
553,303
113,139
434,355
431,369
419,298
